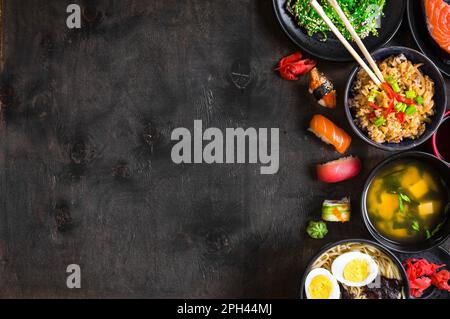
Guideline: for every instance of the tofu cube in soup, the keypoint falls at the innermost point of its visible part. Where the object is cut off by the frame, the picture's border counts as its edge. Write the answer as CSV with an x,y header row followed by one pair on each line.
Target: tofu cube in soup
x,y
410,177
428,208
417,190
389,204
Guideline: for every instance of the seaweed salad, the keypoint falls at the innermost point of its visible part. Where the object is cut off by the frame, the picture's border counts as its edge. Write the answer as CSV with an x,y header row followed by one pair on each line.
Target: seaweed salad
x,y
365,16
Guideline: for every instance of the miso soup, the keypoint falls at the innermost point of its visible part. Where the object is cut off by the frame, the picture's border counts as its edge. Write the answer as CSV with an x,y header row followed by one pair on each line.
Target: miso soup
x,y
408,201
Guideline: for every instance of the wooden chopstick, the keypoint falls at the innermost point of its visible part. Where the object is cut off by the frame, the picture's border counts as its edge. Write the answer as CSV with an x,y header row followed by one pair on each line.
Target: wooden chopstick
x,y
357,39
347,45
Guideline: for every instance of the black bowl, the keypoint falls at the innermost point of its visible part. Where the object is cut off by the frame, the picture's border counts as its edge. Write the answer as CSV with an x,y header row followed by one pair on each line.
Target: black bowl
x,y
440,99
332,49
442,169
364,241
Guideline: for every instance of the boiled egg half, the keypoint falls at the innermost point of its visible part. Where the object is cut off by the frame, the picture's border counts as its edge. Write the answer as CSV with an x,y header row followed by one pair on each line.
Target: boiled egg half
x,y
320,284
355,269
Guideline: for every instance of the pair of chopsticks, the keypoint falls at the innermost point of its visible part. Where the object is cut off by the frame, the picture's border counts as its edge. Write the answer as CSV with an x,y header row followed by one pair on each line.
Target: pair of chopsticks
x,y
374,73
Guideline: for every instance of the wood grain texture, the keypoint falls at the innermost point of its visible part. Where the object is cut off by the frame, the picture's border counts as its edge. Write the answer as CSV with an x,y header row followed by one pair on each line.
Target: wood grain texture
x,y
85,170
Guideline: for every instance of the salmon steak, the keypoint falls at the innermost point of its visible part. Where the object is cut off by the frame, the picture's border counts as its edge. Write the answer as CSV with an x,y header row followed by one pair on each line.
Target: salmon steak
x,y
437,13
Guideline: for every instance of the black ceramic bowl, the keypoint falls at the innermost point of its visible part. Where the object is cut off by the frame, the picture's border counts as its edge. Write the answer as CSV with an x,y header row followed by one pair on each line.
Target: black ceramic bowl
x,y
442,169
364,241
332,49
440,99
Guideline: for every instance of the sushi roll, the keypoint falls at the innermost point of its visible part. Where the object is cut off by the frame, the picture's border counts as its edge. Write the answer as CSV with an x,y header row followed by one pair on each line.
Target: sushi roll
x,y
322,89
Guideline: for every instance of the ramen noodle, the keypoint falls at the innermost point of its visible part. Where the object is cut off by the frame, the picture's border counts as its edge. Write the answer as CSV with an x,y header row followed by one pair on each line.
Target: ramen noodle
x,y
386,265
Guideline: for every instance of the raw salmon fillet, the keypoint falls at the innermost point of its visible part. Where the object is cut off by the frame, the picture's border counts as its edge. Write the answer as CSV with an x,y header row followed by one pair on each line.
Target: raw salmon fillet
x,y
438,22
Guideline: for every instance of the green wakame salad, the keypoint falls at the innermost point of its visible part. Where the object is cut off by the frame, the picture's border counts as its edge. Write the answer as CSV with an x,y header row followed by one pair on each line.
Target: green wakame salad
x,y
364,15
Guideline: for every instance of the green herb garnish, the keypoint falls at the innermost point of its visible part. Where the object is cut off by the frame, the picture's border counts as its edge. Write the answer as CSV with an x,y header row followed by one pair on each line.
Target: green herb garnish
x,y
438,228
405,197
419,100
374,92
396,87
415,226
373,95
410,94
400,107
379,121
410,110
394,84
401,199
400,204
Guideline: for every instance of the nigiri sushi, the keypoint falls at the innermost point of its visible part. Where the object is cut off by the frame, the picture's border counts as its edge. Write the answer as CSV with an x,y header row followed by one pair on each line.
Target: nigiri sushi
x,y
339,170
322,89
437,13
330,133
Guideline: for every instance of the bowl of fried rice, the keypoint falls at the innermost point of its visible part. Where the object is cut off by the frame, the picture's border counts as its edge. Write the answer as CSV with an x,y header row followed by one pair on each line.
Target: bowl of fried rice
x,y
406,110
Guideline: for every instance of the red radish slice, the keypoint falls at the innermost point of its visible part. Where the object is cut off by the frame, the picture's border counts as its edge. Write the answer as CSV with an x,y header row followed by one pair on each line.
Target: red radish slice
x,y
339,170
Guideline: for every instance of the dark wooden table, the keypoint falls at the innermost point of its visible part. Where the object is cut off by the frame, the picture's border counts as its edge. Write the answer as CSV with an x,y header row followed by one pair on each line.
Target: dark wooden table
x,y
86,175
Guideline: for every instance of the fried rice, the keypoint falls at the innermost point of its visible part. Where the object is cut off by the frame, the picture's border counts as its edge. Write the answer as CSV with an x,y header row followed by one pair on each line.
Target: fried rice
x,y
409,78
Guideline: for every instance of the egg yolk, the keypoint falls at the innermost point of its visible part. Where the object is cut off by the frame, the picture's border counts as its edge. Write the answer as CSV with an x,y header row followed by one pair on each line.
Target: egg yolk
x,y
356,270
320,287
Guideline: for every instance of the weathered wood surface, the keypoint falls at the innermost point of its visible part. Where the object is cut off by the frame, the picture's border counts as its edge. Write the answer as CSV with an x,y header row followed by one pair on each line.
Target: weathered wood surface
x,y
85,169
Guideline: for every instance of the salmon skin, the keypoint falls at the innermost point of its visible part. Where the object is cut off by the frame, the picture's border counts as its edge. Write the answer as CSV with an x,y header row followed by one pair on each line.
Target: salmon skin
x,y
330,133
437,13
322,89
